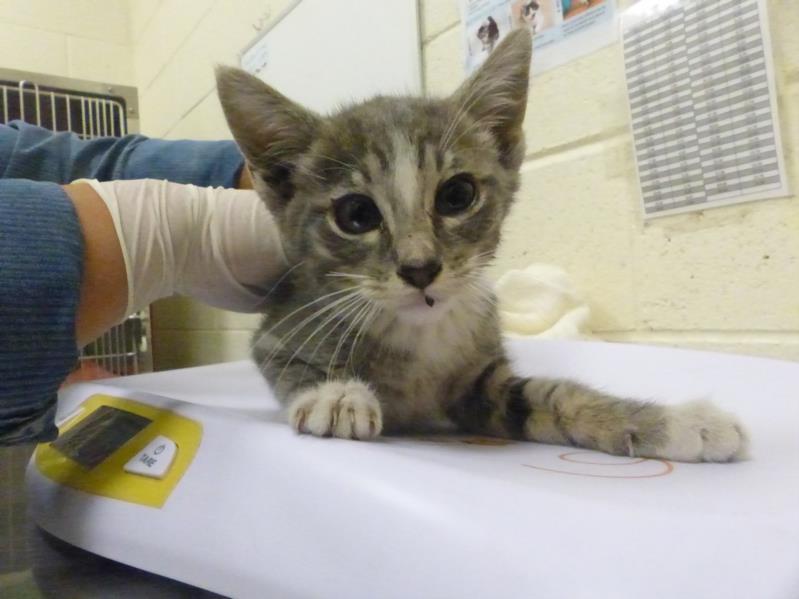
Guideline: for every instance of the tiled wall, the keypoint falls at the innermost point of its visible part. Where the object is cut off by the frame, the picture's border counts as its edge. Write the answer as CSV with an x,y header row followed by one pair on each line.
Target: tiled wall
x,y
89,39
724,279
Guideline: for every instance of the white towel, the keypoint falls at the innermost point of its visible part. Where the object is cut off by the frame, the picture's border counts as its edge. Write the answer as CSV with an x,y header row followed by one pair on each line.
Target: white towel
x,y
541,301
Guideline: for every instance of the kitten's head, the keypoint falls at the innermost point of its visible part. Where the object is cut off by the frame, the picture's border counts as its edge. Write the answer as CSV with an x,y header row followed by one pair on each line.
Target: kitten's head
x,y
402,198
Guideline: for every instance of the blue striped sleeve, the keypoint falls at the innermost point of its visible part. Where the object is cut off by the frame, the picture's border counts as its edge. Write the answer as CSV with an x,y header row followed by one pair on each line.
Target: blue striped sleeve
x,y
30,152
41,258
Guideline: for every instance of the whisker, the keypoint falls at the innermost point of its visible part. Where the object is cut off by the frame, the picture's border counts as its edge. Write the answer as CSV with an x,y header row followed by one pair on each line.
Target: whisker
x,y
347,165
471,126
367,321
297,166
305,306
347,275
483,292
459,113
341,342
281,342
282,277
345,310
475,95
327,335
290,334
467,103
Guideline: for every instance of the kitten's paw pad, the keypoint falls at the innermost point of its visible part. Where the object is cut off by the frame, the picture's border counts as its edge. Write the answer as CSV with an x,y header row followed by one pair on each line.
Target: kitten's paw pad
x,y
698,431
348,410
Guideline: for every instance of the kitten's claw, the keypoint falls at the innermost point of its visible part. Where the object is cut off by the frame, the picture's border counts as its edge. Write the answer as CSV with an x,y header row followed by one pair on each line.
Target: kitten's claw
x,y
628,443
348,410
300,416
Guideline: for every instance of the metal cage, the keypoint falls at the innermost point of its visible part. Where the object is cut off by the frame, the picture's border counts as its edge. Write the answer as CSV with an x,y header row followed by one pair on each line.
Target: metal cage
x,y
89,110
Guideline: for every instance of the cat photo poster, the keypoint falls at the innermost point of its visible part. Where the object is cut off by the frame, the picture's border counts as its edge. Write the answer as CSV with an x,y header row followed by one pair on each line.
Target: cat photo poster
x,y
485,23
563,29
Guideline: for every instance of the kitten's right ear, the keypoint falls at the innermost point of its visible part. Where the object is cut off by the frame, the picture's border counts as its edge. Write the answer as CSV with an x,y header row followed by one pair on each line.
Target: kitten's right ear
x,y
496,94
271,130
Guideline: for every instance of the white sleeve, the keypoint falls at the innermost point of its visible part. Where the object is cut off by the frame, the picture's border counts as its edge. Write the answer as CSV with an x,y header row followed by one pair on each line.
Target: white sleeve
x,y
220,246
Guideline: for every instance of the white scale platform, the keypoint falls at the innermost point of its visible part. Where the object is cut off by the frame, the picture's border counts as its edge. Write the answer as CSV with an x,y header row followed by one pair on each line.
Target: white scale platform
x,y
263,512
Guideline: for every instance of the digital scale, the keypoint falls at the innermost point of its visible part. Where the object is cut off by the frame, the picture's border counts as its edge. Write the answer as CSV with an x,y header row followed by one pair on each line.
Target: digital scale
x,y
193,475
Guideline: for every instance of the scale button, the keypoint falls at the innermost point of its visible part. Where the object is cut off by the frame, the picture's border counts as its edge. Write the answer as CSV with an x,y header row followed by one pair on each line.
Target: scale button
x,y
155,459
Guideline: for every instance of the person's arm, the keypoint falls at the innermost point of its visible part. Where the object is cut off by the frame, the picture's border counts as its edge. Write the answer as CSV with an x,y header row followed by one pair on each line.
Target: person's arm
x,y
31,152
147,239
41,265
104,285
76,260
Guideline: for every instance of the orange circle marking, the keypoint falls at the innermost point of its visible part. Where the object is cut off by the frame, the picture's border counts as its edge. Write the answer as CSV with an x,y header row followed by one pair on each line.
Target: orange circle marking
x,y
667,467
567,457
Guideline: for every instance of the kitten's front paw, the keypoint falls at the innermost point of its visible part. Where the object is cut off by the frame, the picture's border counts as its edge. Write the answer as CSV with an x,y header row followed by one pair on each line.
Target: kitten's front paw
x,y
698,431
345,409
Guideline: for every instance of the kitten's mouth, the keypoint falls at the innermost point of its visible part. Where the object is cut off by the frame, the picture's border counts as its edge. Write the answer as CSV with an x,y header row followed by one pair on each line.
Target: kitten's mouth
x,y
421,305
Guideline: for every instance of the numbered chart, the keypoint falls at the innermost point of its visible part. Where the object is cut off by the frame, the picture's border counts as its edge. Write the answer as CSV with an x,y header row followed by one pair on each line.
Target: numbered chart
x,y
701,92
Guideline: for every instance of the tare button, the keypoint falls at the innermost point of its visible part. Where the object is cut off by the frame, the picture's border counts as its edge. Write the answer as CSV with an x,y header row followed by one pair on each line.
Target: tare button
x,y
155,459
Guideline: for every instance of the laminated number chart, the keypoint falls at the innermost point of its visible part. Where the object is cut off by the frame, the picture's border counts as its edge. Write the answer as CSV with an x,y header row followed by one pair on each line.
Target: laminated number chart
x,y
701,92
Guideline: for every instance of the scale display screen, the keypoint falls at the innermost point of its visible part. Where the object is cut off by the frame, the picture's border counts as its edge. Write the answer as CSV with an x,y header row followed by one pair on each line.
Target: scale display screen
x,y
99,435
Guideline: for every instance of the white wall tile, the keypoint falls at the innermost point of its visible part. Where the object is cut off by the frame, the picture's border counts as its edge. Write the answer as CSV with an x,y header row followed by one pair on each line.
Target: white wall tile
x,y
436,16
789,128
100,61
105,20
140,14
205,121
442,64
723,269
574,212
165,33
784,24
186,79
581,102
29,49
171,98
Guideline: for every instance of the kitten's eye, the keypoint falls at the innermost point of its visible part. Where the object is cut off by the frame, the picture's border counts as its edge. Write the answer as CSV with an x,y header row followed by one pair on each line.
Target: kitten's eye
x,y
456,194
356,213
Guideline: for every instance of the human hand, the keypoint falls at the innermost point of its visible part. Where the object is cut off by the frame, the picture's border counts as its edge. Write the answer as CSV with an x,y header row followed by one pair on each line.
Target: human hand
x,y
219,246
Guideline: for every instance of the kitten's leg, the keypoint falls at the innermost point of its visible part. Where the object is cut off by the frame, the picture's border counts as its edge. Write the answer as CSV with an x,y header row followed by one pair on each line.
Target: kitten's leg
x,y
566,413
342,407
346,409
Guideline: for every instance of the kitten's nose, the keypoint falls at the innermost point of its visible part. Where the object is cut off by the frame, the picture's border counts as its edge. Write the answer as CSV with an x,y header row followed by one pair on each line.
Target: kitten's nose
x,y
420,276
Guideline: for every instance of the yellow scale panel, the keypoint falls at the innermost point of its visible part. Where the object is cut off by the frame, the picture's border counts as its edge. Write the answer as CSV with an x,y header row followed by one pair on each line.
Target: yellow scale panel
x,y
108,478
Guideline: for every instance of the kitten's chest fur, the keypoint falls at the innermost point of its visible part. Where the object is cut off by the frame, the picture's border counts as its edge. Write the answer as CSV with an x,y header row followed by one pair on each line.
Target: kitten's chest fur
x,y
419,370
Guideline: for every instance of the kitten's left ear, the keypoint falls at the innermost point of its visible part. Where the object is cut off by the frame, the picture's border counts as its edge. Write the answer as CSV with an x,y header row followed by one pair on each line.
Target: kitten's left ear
x,y
496,93
271,130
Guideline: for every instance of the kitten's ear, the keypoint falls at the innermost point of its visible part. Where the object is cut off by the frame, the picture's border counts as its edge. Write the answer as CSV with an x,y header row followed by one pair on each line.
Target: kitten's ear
x,y
497,93
271,130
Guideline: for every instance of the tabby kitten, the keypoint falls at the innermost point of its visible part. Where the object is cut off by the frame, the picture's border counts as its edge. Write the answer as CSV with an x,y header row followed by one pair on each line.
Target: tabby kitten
x,y
390,210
